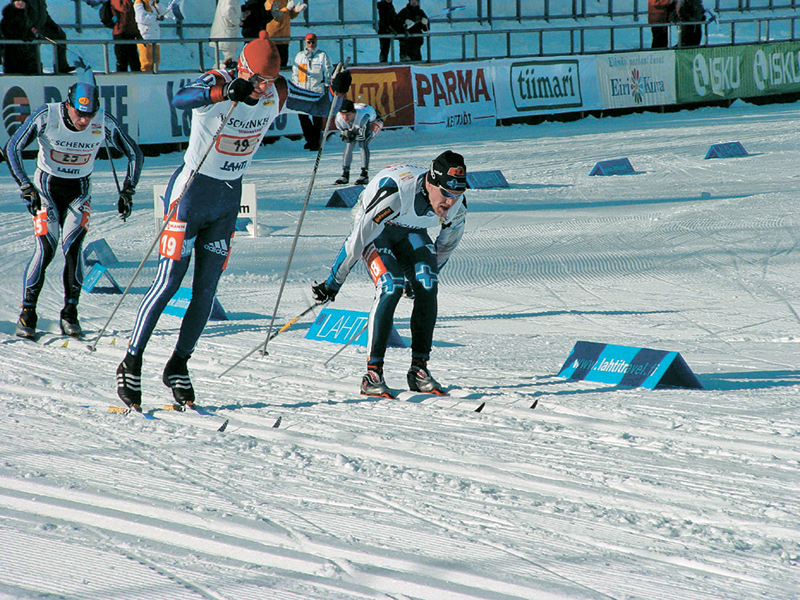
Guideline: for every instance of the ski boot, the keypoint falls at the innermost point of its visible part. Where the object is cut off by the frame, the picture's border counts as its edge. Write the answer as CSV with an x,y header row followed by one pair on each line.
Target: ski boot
x,y
176,377
129,382
345,178
26,324
363,179
421,380
69,321
372,384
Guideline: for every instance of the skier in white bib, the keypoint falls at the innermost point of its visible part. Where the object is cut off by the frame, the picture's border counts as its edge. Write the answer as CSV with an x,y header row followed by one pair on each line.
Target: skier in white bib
x,y
69,133
390,235
205,219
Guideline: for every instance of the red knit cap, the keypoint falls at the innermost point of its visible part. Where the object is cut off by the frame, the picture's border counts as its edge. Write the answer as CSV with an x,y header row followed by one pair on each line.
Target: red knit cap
x,y
261,57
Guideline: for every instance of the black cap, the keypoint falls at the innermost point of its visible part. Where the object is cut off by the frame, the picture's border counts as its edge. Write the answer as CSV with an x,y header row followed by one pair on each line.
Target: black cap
x,y
347,106
449,171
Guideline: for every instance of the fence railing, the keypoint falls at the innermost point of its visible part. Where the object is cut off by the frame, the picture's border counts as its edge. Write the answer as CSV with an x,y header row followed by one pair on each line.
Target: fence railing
x,y
201,54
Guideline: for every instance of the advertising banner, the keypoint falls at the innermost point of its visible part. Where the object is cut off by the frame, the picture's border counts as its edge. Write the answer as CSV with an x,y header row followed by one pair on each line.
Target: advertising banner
x,y
388,91
727,72
636,79
535,86
454,95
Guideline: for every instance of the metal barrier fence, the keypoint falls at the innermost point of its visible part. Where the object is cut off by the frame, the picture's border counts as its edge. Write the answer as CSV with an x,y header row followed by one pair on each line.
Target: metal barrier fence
x,y
550,40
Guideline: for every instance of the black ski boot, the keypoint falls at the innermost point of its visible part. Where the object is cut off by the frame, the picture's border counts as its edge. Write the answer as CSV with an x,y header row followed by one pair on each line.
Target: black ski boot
x,y
421,380
372,384
69,321
345,178
129,382
363,179
176,377
26,324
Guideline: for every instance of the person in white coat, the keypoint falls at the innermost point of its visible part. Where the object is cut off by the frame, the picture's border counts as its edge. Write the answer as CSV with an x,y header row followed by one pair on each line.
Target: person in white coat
x,y
311,71
227,19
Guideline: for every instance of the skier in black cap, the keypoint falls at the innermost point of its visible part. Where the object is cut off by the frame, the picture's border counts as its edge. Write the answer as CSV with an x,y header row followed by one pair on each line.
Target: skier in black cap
x,y
59,195
390,235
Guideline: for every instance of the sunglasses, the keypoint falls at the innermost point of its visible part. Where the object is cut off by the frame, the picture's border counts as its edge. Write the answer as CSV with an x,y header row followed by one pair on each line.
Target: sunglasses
x,y
449,194
311,41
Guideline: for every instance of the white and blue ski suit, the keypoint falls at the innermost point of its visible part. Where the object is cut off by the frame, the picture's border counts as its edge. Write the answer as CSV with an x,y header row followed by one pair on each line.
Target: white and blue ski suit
x,y
64,163
390,235
207,211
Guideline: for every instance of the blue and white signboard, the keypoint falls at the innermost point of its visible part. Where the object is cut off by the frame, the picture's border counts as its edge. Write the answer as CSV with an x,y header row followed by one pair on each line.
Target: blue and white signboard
x,y
180,302
627,366
340,326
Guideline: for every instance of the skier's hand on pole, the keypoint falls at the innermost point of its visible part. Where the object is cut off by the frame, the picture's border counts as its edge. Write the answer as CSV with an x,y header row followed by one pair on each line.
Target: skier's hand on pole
x,y
125,202
341,82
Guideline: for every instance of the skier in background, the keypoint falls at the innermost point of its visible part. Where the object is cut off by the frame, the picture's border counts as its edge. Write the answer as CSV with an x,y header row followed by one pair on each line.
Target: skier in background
x,y
357,123
69,134
205,220
390,235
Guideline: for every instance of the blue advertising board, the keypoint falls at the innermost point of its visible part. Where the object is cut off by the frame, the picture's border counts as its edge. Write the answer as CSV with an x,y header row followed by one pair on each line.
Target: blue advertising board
x,y
627,366
340,326
614,166
726,150
180,302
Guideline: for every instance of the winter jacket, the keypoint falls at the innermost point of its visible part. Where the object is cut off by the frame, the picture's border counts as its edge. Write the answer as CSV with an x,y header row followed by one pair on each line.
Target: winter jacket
x,y
280,26
147,13
18,59
387,18
660,11
691,11
254,18
417,17
126,19
312,70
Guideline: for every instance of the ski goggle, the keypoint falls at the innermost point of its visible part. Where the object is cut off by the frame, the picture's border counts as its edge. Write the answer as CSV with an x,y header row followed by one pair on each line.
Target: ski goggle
x,y
449,194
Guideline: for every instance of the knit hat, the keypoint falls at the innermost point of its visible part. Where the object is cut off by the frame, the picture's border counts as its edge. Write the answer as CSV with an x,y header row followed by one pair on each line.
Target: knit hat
x,y
261,57
448,171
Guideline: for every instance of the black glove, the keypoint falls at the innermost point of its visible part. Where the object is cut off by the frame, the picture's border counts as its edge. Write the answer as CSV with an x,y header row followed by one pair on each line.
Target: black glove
x,y
238,90
348,135
323,293
125,202
341,83
408,291
30,196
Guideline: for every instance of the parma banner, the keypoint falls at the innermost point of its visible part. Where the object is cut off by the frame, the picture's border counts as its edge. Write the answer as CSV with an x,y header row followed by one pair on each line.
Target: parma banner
x,y
636,79
454,95
727,72
535,86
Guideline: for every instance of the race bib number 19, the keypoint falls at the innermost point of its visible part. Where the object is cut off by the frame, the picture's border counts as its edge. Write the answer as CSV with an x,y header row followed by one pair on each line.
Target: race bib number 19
x,y
171,243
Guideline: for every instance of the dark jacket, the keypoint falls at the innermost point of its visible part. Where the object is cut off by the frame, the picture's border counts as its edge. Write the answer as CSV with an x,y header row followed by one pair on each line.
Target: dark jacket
x,y
126,20
254,18
415,14
691,11
18,59
387,19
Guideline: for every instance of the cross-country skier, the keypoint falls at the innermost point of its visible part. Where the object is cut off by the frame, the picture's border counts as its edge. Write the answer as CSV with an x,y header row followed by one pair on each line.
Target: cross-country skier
x,y
357,123
208,208
69,133
390,234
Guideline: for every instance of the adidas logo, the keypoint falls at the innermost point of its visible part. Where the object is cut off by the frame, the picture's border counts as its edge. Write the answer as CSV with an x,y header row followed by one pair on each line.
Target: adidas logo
x,y
219,247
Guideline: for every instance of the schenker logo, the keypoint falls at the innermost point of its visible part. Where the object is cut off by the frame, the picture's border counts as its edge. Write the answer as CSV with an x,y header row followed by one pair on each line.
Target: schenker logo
x,y
219,247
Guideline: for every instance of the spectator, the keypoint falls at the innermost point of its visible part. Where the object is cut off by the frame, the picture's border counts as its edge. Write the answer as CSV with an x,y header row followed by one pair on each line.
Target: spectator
x,y
125,28
415,23
692,12
19,59
254,19
387,25
282,11
47,28
226,22
148,20
660,11
357,124
312,71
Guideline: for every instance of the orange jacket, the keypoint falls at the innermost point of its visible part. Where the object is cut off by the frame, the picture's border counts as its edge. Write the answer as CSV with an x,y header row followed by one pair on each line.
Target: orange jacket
x,y
660,11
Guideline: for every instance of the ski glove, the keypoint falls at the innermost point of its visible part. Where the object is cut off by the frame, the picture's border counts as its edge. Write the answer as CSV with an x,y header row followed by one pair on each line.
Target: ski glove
x,y
323,293
341,83
30,196
348,135
238,90
125,202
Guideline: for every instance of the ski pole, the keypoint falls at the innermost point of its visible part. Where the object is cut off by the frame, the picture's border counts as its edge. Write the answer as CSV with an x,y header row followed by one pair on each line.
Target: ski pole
x,y
350,341
173,209
340,67
281,330
113,170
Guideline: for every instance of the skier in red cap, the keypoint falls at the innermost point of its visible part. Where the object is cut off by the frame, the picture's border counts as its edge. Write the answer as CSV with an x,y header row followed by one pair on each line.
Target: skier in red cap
x,y
209,206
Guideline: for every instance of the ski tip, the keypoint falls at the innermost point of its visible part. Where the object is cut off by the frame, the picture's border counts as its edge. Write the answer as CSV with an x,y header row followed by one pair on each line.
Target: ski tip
x,y
535,404
224,426
277,423
118,409
480,408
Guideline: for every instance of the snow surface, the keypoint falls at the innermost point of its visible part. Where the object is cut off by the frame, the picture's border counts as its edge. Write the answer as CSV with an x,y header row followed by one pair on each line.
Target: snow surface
x,y
597,493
